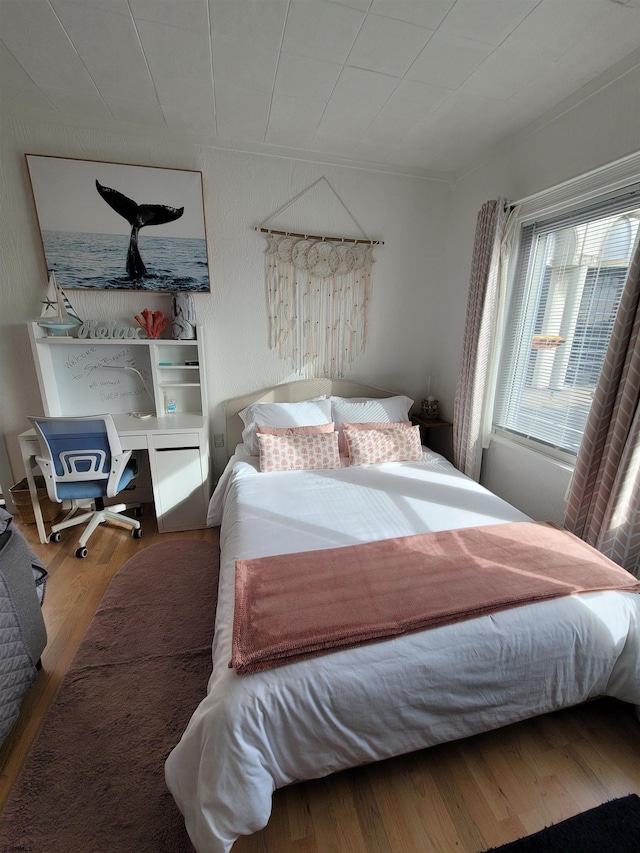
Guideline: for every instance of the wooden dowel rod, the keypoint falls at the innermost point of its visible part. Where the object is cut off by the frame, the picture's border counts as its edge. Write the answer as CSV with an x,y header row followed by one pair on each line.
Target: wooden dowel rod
x,y
316,237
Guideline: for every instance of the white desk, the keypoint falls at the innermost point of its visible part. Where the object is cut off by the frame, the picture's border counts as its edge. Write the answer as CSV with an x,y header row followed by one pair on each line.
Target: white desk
x,y
178,449
77,377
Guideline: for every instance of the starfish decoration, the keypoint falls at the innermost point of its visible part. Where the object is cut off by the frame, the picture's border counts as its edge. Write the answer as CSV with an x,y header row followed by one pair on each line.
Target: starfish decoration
x,y
48,303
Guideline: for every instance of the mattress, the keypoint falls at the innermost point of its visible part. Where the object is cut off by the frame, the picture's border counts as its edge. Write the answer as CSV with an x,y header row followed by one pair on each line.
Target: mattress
x,y
255,733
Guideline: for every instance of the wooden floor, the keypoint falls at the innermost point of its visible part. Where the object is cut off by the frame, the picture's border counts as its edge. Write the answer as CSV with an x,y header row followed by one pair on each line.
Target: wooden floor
x,y
464,796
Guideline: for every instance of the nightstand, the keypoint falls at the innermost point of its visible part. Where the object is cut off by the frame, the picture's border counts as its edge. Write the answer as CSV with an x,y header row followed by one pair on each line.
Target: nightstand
x,y
427,424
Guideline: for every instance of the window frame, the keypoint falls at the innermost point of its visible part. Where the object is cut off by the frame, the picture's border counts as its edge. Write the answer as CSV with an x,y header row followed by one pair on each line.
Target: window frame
x,y
525,236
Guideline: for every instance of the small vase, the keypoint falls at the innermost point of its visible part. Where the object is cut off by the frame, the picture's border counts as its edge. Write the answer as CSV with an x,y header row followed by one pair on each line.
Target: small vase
x,y
183,317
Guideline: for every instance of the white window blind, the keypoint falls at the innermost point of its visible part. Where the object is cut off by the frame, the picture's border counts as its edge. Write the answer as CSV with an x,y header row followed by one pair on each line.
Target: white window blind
x,y
569,276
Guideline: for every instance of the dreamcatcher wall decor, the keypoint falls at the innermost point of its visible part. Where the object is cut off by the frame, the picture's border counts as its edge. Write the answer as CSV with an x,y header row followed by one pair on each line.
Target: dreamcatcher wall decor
x,y
318,294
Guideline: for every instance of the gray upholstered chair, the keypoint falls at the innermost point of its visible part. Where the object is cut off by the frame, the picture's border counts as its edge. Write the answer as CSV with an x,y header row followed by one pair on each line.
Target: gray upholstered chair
x,y
23,635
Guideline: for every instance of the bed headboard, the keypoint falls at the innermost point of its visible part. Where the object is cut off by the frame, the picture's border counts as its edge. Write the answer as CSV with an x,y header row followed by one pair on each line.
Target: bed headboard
x,y
293,392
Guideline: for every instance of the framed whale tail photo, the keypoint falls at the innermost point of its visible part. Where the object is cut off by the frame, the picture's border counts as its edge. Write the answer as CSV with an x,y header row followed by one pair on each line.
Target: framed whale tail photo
x,y
112,226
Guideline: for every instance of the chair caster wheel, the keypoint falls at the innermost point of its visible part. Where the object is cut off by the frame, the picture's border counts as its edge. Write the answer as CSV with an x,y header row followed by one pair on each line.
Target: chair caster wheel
x,y
81,553
137,511
55,537
137,534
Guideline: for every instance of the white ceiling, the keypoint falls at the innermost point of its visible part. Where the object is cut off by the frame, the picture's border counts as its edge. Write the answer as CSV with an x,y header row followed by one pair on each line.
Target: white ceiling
x,y
419,86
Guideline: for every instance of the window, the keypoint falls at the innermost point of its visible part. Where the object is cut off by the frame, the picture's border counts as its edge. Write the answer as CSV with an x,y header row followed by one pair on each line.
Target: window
x,y
569,275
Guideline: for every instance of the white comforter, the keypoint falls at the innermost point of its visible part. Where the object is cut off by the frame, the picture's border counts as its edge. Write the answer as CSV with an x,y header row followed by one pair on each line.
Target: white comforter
x,y
255,733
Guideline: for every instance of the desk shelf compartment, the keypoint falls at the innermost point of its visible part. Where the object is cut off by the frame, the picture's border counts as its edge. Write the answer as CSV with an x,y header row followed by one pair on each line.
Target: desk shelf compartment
x,y
187,396
182,381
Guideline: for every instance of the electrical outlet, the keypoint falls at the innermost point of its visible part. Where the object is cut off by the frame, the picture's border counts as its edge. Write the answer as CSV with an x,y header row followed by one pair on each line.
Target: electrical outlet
x,y
218,440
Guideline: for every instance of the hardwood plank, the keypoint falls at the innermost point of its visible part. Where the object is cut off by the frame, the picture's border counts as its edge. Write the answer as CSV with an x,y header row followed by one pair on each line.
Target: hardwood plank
x,y
395,803
448,774
486,802
335,819
371,824
414,806
497,805
297,806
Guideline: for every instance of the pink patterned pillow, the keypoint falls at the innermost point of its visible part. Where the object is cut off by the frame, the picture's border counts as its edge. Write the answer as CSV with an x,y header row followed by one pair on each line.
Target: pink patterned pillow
x,y
369,447
344,445
298,452
301,430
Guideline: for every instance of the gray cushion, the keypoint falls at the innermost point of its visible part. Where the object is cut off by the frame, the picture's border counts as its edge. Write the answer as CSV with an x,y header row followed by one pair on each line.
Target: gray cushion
x,y
23,634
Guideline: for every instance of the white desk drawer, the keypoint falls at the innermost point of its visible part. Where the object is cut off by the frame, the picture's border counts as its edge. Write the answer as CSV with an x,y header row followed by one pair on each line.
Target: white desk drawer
x,y
175,439
134,441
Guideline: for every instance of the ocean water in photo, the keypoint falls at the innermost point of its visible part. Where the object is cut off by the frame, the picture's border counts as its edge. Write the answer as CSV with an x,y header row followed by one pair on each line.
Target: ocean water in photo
x,y
98,261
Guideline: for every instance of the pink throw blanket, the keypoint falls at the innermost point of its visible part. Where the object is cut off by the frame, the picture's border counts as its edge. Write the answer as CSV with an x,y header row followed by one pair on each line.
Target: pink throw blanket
x,y
295,606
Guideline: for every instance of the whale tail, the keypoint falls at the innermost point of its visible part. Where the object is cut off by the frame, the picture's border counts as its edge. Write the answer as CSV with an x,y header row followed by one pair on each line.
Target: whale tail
x,y
137,215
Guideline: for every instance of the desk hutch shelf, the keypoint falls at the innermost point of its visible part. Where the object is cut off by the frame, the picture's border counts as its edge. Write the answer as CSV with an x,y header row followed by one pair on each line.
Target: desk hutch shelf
x,y
85,376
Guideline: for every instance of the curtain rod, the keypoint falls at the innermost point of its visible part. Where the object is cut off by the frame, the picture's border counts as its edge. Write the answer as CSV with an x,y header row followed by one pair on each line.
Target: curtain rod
x,y
318,237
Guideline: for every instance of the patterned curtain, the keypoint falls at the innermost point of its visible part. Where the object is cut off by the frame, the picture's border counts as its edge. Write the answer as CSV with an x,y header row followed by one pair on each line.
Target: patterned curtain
x,y
604,498
482,308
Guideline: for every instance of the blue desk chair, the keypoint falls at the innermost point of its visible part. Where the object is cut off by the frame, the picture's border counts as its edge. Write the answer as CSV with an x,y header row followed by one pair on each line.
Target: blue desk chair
x,y
82,459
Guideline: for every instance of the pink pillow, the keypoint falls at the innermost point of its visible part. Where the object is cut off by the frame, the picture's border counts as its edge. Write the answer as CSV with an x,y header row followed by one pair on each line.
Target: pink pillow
x,y
298,452
370,447
300,430
344,445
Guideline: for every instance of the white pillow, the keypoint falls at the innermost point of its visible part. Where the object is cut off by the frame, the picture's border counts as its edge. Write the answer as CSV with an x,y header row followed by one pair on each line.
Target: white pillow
x,y
361,410
307,413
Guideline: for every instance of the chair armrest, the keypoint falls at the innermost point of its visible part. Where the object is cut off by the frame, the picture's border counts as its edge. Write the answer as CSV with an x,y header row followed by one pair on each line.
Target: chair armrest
x,y
118,464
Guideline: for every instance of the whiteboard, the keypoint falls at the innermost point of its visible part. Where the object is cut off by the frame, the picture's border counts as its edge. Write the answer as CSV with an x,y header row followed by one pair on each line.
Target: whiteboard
x,y
94,379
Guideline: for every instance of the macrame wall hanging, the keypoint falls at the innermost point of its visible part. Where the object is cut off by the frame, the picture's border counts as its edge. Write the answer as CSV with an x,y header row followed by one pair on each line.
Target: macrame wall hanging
x,y
318,295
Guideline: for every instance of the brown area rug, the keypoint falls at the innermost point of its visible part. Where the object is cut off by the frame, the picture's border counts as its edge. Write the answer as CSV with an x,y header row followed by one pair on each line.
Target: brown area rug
x,y
94,779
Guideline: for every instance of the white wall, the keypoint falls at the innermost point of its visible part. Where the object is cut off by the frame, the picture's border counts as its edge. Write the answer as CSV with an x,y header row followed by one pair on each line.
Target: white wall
x,y
600,130
241,191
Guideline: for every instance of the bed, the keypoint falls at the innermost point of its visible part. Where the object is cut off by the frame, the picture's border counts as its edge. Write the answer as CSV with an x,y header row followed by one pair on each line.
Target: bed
x,y
255,733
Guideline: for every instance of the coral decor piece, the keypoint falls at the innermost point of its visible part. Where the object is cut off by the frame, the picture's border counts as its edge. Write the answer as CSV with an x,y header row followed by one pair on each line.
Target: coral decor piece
x,y
153,322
